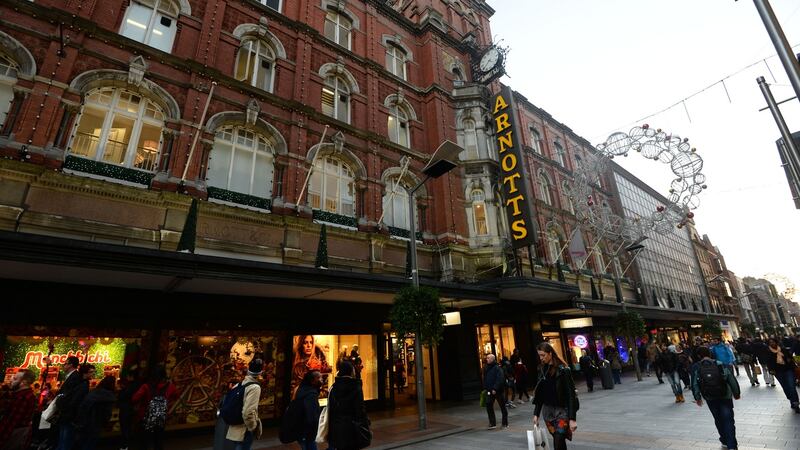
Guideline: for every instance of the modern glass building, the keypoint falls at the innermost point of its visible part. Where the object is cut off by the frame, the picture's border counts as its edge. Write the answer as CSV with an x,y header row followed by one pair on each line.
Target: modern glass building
x,y
668,269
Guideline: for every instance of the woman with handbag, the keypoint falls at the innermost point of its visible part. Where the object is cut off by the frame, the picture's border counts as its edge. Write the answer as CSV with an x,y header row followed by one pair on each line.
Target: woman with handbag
x,y
555,398
347,414
781,364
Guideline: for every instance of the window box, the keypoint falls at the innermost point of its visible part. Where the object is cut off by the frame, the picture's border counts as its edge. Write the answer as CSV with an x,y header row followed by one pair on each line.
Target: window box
x,y
403,233
239,198
338,219
108,170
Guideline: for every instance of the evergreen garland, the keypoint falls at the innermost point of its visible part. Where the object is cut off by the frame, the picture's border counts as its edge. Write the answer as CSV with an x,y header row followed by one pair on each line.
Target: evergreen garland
x,y
418,311
408,260
189,233
322,249
107,170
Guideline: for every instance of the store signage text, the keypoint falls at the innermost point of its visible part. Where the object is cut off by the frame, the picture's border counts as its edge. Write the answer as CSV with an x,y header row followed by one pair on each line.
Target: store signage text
x,y
39,359
583,322
515,181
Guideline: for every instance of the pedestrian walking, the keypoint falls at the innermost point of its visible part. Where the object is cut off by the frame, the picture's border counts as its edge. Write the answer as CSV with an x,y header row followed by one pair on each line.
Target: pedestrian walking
x,y
668,360
510,384
762,353
521,380
94,413
588,369
73,390
399,375
781,364
17,412
349,426
127,410
652,353
745,349
245,429
493,382
515,357
555,399
714,382
723,353
684,367
616,363
641,355
155,398
308,397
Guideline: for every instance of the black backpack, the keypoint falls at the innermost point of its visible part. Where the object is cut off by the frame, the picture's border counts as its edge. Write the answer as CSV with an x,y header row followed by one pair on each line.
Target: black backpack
x,y
712,383
233,404
292,422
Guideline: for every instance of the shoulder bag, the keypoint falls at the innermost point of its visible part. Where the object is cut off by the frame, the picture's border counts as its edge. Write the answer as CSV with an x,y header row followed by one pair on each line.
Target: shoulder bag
x,y
322,427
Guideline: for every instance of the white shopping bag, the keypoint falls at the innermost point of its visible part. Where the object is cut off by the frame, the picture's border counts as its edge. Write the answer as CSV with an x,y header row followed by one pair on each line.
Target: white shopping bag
x,y
537,440
322,427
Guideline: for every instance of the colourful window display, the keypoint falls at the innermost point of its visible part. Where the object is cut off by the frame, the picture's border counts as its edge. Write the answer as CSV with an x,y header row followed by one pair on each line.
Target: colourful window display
x,y
325,352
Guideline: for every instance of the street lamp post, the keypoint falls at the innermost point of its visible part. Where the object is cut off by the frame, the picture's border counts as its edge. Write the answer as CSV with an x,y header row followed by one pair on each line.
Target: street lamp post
x,y
788,59
440,163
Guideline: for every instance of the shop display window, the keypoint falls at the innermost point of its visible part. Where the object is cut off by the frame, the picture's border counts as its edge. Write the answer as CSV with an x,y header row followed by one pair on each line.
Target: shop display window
x,y
496,339
325,352
577,344
203,368
554,339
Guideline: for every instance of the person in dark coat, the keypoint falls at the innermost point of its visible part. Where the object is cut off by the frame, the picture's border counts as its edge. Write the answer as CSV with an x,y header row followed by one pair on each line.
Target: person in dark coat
x,y
494,382
346,407
554,398
587,368
521,380
127,409
780,361
73,390
308,394
94,413
762,354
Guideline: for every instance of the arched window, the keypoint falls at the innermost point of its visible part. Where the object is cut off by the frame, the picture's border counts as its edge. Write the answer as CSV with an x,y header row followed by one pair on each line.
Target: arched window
x,y
117,126
255,63
544,188
458,77
241,161
274,4
399,129
559,153
553,246
336,99
395,206
536,140
151,22
470,139
8,78
332,187
566,200
479,212
337,28
396,61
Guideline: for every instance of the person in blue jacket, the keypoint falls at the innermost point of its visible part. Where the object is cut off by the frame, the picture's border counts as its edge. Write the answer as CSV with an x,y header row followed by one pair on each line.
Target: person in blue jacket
x,y
494,382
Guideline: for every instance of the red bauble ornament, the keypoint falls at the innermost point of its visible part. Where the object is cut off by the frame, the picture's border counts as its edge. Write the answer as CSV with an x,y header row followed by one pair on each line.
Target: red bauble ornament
x,y
660,208
590,203
690,215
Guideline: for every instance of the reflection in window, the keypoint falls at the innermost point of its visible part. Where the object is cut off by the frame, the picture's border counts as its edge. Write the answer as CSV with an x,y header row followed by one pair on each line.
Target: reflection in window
x,y
8,78
395,206
337,28
479,212
241,161
544,188
336,99
399,130
470,139
151,22
396,61
120,127
332,187
255,64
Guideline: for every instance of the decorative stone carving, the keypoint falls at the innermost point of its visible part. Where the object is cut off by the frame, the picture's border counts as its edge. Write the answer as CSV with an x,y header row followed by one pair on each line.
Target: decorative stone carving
x,y
253,109
338,142
136,70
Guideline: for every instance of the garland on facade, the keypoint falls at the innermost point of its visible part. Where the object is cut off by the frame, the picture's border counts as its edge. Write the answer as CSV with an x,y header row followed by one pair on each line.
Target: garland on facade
x,y
338,219
107,170
403,233
239,198
418,311
322,249
408,259
189,233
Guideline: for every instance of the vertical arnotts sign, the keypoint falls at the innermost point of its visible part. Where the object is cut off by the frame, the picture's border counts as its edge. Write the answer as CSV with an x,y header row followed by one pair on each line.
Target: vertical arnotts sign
x,y
515,181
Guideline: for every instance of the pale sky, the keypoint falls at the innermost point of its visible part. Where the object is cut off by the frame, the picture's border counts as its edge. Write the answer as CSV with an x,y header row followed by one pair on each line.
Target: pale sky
x,y
599,66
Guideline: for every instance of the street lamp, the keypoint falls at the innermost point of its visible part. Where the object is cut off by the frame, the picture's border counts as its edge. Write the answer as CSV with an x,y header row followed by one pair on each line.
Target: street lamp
x,y
440,163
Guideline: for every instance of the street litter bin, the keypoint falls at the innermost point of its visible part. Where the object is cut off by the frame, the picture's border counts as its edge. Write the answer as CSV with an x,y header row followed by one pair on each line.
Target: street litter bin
x,y
605,375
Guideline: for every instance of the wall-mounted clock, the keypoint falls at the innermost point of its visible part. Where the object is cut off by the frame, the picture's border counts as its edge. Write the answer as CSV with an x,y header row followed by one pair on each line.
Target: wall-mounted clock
x,y
490,65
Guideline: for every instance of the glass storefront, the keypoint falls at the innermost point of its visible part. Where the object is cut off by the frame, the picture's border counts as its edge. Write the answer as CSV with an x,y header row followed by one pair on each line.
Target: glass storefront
x,y
497,339
554,339
325,352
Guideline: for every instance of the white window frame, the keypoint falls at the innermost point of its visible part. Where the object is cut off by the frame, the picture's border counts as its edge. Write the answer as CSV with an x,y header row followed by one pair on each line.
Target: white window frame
x,y
568,204
396,60
320,175
156,13
339,88
8,78
280,5
111,111
247,46
399,120
341,24
399,201
478,198
559,153
470,133
252,149
544,188
536,140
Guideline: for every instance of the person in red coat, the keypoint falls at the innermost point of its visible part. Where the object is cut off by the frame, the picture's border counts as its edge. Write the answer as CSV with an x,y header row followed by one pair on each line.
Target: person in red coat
x,y
521,378
159,385
15,425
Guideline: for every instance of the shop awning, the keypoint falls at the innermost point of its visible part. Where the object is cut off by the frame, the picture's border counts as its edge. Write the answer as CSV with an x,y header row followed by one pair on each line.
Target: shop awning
x,y
60,260
580,307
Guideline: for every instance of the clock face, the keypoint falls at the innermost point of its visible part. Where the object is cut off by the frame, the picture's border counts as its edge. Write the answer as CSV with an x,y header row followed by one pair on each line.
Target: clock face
x,y
489,59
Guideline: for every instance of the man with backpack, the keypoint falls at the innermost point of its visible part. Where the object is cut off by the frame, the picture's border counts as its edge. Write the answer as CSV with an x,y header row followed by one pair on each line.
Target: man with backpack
x,y
155,396
302,415
240,408
714,382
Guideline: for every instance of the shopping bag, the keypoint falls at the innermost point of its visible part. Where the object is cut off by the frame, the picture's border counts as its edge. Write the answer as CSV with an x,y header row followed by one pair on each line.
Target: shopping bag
x,y
50,414
322,427
483,399
758,370
537,439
